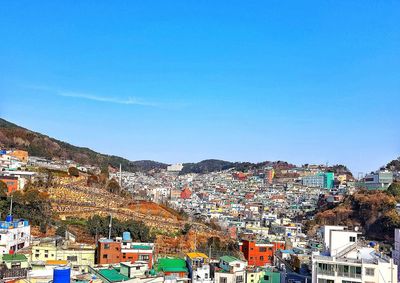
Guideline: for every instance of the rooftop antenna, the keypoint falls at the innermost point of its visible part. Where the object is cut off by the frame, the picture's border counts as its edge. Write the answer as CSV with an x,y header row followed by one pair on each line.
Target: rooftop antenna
x,y
109,227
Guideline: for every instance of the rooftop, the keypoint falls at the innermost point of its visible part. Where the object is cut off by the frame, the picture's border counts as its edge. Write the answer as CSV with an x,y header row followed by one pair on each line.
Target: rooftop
x,y
196,255
14,257
228,258
112,275
172,265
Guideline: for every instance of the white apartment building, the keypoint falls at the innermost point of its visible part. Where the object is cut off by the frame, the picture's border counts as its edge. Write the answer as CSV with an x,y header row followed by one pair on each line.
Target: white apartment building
x,y
347,259
175,167
232,270
14,235
396,252
199,268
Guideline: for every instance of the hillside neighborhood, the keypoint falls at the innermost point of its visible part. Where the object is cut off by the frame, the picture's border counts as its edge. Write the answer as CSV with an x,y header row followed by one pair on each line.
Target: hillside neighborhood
x,y
274,223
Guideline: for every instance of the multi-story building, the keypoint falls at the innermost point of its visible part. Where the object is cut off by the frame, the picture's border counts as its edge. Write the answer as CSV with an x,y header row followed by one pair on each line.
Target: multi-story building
x,y
13,267
320,180
79,256
199,268
11,182
110,251
260,254
231,270
380,180
396,251
175,167
14,234
348,259
133,252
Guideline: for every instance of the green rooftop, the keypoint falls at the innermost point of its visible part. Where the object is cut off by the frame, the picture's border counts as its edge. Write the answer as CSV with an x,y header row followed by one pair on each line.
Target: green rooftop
x,y
172,265
228,258
14,257
112,275
141,247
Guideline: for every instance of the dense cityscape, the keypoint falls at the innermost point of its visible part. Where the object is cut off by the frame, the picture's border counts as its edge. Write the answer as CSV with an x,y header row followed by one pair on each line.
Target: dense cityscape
x,y
270,222
199,141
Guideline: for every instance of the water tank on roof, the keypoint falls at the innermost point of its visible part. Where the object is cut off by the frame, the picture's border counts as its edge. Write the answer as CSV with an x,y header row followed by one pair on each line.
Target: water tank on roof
x,y
26,223
372,244
126,236
62,274
9,218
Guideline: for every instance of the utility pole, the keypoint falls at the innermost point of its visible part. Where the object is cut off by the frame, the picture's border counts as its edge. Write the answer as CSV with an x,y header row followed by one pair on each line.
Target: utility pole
x,y
120,175
109,227
11,205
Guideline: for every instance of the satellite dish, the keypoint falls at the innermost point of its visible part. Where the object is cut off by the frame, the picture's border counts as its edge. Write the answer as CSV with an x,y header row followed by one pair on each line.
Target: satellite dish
x,y
356,228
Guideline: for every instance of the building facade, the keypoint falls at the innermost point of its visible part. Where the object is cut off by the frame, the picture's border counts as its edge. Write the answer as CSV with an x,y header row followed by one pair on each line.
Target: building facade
x,y
348,259
14,234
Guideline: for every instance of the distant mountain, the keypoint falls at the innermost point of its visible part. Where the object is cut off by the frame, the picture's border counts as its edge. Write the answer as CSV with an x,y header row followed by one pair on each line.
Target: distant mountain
x,y
14,136
214,165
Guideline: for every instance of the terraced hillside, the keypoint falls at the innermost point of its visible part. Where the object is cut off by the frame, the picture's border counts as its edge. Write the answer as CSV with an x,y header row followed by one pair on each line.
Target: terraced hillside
x,y
77,200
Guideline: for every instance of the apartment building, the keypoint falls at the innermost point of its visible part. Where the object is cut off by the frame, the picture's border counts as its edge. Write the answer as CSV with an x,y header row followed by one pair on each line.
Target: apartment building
x,y
14,234
199,267
348,259
260,254
231,270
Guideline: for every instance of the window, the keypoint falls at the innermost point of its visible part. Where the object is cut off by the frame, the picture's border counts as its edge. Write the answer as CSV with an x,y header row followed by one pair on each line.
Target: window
x,y
36,255
46,255
72,258
205,275
137,267
352,239
266,277
222,280
46,251
144,257
262,250
106,246
239,279
369,271
325,281
105,256
261,258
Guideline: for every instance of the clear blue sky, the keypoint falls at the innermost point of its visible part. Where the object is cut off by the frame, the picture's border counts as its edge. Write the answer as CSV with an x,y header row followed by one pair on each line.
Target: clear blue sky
x,y
302,81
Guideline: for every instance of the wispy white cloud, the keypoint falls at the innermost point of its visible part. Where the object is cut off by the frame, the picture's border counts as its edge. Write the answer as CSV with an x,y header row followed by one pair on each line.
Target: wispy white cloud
x,y
127,101
93,97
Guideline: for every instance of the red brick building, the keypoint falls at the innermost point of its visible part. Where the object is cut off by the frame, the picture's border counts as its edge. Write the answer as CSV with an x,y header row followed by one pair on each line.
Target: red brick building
x,y
11,182
116,251
260,254
186,193
108,252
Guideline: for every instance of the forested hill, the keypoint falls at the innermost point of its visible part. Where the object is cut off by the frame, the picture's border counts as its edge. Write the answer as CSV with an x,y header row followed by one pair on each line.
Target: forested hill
x,y
14,136
214,165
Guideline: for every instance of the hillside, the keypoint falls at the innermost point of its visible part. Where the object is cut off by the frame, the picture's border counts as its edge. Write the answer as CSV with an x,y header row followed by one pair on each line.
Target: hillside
x,y
214,165
14,136
394,165
375,211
